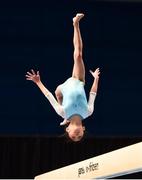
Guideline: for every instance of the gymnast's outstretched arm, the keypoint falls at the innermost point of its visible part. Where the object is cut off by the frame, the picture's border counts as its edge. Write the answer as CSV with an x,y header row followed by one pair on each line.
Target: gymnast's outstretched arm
x,y
35,77
93,91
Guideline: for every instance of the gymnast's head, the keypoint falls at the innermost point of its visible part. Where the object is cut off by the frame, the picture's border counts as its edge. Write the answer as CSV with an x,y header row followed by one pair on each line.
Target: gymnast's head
x,y
75,129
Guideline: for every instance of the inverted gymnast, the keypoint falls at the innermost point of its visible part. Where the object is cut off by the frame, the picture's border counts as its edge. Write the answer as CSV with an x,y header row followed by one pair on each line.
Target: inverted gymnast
x,y
71,103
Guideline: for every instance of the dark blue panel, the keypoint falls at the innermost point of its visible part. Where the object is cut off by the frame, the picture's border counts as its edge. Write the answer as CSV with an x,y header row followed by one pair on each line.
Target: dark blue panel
x,y
39,35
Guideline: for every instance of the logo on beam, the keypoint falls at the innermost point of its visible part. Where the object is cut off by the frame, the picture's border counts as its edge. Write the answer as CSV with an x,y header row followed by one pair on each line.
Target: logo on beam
x,y
87,169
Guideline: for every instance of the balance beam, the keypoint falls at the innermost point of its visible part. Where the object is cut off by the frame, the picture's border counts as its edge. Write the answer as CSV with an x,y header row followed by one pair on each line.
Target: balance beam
x,y
123,161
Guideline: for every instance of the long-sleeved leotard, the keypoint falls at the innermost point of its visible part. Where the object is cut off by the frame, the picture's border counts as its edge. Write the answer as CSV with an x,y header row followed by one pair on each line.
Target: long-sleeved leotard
x,y
74,100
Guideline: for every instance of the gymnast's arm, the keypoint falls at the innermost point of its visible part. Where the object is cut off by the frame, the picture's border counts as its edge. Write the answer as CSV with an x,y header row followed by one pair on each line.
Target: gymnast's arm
x,y
93,91
35,77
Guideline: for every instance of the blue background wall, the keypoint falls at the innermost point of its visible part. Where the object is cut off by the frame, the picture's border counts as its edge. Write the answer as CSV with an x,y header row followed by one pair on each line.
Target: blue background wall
x,y
39,35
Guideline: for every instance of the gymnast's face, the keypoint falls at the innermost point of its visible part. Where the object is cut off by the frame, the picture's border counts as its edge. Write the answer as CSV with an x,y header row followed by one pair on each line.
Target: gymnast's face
x,y
75,132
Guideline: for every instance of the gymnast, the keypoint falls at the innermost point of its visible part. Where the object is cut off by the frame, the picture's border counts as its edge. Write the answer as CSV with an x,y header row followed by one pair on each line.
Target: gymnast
x,y
71,103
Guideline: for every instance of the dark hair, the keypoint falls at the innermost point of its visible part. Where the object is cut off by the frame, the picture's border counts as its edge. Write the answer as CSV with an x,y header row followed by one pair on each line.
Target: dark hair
x,y
67,139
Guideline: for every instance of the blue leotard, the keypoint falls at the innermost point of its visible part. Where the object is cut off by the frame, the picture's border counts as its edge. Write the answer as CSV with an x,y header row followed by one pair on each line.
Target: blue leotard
x,y
74,98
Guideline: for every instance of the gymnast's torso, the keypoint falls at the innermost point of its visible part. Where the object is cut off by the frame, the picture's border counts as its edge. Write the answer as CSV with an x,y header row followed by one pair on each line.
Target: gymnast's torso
x,y
74,98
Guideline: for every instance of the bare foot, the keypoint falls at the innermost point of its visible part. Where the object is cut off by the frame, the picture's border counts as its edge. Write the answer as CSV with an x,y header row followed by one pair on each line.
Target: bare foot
x,y
77,18
64,122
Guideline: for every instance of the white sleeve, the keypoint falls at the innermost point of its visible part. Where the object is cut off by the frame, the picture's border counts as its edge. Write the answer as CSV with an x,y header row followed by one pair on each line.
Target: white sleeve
x,y
58,108
91,101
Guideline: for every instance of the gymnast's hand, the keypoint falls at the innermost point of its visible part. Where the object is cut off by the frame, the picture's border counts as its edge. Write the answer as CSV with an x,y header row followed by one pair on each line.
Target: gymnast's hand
x,y
96,73
33,76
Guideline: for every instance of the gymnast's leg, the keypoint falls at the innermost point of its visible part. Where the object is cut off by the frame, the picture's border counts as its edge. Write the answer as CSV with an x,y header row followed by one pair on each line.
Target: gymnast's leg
x,y
59,95
78,68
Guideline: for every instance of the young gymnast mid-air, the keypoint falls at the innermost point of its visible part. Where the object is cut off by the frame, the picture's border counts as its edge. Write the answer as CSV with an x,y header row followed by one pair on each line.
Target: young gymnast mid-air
x,y
71,103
